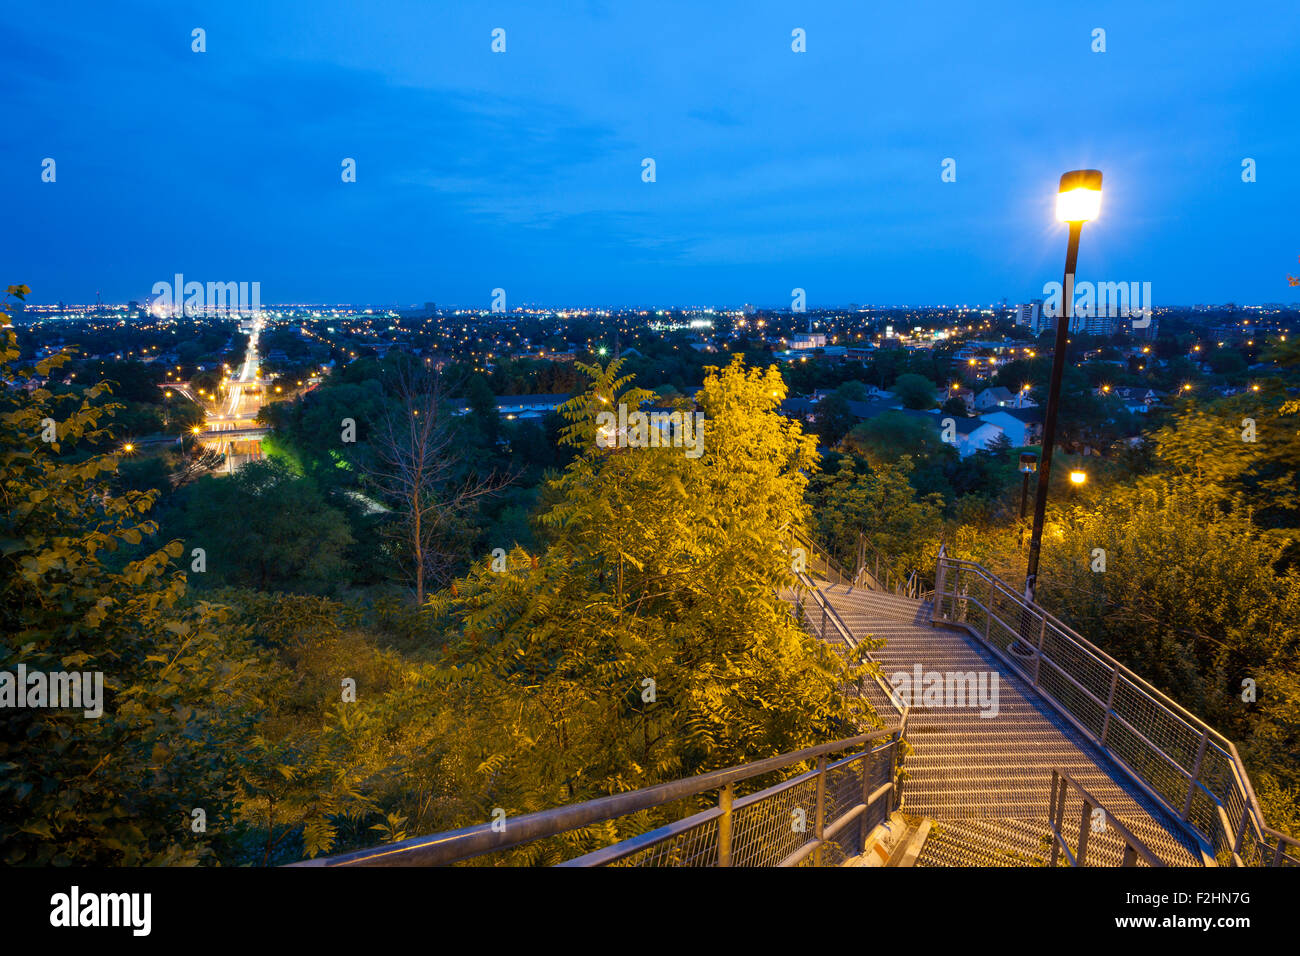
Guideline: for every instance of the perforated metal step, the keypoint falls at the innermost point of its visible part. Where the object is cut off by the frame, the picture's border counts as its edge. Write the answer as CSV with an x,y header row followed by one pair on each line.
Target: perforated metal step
x,y
986,780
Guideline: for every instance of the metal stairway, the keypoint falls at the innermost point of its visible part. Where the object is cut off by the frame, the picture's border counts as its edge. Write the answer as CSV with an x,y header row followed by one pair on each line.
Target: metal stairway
x,y
1083,759
985,781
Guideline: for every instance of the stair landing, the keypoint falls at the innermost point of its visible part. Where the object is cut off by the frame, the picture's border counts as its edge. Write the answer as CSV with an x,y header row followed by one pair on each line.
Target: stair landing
x,y
986,781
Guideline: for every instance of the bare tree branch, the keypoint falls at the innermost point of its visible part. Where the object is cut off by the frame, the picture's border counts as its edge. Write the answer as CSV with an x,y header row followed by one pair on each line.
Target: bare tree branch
x,y
417,466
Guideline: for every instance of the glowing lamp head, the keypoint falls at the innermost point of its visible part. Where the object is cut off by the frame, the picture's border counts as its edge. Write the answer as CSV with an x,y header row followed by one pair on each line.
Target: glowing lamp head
x,y
1078,477
1028,462
1079,199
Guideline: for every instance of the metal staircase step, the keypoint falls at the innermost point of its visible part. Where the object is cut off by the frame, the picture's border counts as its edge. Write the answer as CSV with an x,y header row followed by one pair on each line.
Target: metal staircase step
x,y
985,780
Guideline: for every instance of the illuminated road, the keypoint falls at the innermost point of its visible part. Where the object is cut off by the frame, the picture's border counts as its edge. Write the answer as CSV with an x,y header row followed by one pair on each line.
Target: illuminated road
x,y
230,424
244,391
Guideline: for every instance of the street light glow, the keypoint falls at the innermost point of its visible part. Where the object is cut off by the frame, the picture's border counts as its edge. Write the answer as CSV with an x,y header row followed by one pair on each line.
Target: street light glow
x,y
1078,477
1079,199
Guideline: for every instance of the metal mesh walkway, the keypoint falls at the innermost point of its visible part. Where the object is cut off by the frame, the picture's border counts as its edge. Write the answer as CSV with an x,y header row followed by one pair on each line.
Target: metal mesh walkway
x,y
986,781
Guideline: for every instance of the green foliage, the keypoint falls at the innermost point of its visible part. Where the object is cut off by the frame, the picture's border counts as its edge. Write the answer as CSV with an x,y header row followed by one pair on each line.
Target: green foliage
x,y
660,568
80,590
890,435
263,527
1192,599
881,503
914,391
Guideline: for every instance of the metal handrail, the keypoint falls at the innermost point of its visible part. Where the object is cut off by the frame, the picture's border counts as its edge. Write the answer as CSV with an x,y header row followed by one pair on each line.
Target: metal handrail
x,y
831,616
874,570
441,849
728,806
1106,700
1133,847
831,569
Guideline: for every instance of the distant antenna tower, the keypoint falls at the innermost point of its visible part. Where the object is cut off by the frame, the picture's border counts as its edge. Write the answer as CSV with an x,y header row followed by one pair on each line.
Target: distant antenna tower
x,y
99,302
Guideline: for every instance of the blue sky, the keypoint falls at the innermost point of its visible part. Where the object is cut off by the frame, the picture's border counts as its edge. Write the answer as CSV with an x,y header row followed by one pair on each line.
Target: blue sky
x,y
522,170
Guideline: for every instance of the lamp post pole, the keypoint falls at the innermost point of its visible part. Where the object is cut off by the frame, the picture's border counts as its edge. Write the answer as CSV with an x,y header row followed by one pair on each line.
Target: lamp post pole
x,y
1078,201
1053,407
1028,465
1024,498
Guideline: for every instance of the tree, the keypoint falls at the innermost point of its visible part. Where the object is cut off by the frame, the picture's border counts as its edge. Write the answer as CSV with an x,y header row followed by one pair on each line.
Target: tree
x,y
1192,599
264,527
834,418
892,434
81,591
914,391
955,406
417,468
648,640
881,503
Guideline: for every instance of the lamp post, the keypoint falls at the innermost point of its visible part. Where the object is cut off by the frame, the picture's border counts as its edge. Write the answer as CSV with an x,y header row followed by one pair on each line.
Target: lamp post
x,y
1028,465
1078,200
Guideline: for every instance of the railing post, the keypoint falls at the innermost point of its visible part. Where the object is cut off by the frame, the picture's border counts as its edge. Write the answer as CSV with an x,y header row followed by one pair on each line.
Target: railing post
x,y
1038,656
819,829
1056,814
863,827
1241,828
1110,703
1085,822
988,614
940,572
1196,774
725,799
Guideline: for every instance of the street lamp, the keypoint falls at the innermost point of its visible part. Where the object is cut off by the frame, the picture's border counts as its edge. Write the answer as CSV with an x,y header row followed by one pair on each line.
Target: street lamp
x,y
1078,477
1078,200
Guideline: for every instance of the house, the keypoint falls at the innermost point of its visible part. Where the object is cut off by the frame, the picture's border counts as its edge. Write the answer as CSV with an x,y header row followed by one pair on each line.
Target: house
x,y
800,409
965,394
1135,400
996,397
809,340
969,435
864,410
1023,426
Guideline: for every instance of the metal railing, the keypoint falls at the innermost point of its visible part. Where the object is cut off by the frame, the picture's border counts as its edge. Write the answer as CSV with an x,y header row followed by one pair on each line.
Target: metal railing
x,y
1175,756
808,819
817,561
1134,849
821,619
875,571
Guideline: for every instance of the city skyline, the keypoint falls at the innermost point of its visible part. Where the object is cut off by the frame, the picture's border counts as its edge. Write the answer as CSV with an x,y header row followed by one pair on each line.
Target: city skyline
x,y
523,170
